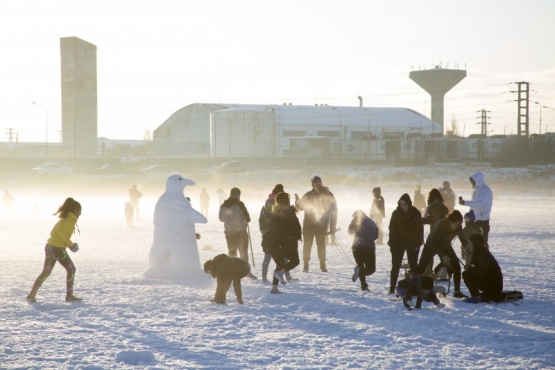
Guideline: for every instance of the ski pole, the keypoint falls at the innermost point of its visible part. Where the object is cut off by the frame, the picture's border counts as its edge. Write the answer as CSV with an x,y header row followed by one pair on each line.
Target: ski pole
x,y
250,243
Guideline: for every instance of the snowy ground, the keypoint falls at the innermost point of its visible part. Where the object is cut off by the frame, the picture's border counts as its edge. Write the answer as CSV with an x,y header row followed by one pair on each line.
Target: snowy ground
x,y
321,321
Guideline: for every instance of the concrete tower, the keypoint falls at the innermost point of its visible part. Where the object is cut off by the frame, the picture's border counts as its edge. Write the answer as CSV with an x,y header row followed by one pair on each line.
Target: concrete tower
x,y
79,97
437,82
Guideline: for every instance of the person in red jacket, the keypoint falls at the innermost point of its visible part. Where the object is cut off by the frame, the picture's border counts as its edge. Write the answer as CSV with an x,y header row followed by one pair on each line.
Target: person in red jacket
x,y
56,248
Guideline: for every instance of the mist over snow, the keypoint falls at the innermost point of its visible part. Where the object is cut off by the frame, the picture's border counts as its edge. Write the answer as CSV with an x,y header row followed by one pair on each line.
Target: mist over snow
x,y
321,321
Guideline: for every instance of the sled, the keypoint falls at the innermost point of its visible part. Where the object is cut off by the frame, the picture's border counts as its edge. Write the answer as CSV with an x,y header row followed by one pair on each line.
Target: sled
x,y
508,296
442,275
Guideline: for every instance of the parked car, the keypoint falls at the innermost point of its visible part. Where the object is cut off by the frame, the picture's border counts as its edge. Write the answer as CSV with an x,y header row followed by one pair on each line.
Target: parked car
x,y
156,168
230,167
51,169
109,169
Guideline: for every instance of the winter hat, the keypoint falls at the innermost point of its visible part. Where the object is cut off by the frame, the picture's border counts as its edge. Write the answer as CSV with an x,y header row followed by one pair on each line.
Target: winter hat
x,y
470,216
377,191
208,266
427,283
446,183
235,193
277,189
316,178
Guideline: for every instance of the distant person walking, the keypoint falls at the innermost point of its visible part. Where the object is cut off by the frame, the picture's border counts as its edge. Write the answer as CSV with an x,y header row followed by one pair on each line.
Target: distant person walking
x,y
419,200
235,217
320,213
448,195
134,196
56,247
204,201
377,212
481,203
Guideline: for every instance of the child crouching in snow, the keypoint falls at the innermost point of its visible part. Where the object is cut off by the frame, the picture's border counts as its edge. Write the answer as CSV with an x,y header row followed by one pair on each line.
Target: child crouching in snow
x,y
420,287
365,233
227,270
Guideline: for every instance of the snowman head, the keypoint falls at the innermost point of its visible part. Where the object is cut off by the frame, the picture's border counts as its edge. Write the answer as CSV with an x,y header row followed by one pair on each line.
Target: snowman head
x,y
176,184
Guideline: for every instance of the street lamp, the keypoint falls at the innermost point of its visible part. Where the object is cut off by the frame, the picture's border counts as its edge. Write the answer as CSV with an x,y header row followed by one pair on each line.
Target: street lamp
x,y
46,128
540,116
340,132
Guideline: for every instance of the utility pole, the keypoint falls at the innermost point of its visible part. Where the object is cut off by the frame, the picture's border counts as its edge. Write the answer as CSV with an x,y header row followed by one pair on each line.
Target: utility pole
x,y
10,134
484,121
523,100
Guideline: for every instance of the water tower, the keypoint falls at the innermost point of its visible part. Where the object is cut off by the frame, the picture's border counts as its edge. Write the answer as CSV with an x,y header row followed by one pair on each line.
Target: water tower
x,y
437,81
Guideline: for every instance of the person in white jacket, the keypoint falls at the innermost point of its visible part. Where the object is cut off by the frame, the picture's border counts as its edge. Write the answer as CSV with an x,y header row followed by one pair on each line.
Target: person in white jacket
x,y
481,203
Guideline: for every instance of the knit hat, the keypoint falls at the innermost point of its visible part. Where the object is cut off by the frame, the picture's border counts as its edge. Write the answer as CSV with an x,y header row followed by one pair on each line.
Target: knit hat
x,y
277,189
316,178
470,216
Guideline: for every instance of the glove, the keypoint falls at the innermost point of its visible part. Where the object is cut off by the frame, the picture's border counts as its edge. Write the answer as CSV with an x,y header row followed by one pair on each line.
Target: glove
x,y
74,248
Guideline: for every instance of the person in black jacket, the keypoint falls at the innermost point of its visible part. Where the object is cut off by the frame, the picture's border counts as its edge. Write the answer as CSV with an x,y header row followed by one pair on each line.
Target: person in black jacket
x,y
406,233
281,239
483,274
439,242
264,223
365,233
435,210
227,270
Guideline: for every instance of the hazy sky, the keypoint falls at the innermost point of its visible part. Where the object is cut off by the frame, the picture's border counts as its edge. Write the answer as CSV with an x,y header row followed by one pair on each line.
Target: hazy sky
x,y
155,57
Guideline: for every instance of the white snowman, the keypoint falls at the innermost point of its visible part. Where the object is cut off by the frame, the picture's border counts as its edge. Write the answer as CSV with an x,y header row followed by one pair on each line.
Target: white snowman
x,y
174,252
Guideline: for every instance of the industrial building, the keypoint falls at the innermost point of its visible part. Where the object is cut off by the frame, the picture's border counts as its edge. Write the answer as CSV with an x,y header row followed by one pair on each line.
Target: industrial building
x,y
240,130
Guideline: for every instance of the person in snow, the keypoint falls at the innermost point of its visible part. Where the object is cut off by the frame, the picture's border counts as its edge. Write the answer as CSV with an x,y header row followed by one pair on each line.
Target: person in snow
x,y
320,213
227,270
449,198
377,212
481,203
419,200
420,287
134,196
435,211
365,233
263,224
469,230
204,201
406,233
281,239
482,276
129,214
235,217
439,242
56,247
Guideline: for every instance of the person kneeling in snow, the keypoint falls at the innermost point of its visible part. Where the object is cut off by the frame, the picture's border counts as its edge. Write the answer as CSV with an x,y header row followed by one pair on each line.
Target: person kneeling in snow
x,y
483,274
422,288
227,270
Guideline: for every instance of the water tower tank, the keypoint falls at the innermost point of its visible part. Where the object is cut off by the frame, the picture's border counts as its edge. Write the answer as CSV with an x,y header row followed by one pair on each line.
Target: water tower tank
x,y
437,81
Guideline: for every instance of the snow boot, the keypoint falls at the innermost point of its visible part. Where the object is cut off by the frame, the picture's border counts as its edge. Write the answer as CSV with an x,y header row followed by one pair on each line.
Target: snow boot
x,y
72,298
459,295
280,276
355,274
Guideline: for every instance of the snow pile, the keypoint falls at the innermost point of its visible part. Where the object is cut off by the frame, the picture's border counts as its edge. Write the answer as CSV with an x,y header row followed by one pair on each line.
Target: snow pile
x,y
130,357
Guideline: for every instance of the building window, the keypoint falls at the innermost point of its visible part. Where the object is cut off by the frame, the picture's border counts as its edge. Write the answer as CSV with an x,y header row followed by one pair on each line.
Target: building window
x,y
294,133
328,133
